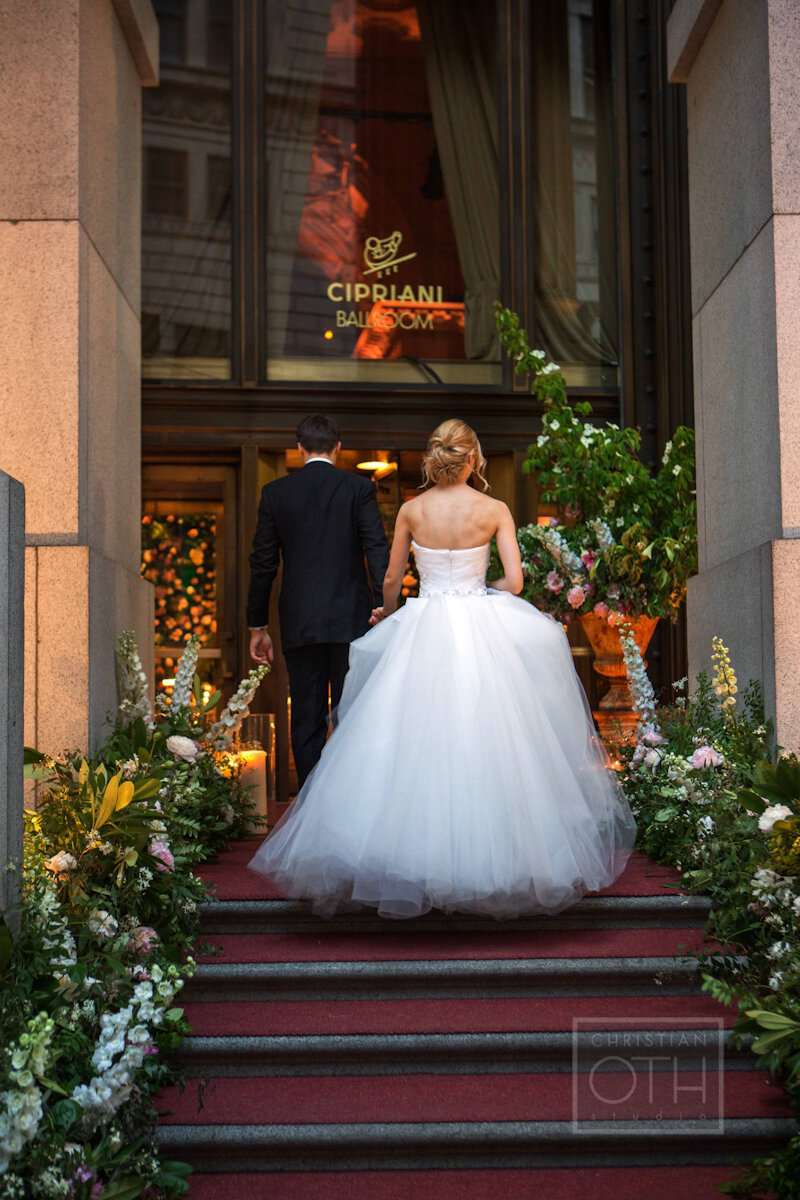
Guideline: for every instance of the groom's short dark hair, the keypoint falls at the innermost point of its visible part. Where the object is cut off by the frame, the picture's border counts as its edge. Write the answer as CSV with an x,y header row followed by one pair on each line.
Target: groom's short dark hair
x,y
318,434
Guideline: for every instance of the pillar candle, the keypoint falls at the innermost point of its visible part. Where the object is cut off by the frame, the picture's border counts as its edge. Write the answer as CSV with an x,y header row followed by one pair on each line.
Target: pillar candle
x,y
254,777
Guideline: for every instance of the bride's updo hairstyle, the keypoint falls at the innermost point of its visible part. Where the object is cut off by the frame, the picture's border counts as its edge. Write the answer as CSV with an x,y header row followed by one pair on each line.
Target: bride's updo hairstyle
x,y
449,447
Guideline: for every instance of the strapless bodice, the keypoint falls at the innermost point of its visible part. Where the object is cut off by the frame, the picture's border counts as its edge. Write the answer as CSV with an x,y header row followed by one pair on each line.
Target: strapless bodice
x,y
452,572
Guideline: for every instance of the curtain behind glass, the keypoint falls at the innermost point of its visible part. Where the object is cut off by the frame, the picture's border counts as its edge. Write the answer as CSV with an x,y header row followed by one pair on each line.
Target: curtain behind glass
x,y
575,327
297,32
459,66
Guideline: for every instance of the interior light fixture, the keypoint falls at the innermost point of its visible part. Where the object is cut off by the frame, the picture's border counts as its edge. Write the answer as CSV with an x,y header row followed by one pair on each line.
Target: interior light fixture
x,y
377,467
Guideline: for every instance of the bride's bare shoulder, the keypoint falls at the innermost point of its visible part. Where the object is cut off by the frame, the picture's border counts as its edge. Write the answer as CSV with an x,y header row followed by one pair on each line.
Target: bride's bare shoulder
x,y
409,507
490,504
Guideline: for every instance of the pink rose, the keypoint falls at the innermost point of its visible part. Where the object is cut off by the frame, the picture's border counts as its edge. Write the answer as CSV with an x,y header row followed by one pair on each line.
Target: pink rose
x,y
142,940
706,756
576,596
162,853
652,737
601,608
554,581
572,510
589,558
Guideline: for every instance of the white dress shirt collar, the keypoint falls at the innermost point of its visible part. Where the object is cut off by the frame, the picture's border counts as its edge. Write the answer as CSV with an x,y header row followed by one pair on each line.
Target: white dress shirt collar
x,y
318,458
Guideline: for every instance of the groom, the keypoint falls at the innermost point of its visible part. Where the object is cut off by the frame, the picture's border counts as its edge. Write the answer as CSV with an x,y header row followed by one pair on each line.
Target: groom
x,y
323,523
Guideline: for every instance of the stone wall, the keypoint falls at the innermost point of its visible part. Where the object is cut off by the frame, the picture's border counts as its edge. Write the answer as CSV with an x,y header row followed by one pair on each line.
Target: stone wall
x,y
12,570
70,145
739,61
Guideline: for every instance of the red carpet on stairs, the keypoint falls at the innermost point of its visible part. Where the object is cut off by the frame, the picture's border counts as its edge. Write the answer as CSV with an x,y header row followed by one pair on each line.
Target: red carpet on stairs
x,y
239,1091
405,944
233,881
617,1183
502,1015
507,1097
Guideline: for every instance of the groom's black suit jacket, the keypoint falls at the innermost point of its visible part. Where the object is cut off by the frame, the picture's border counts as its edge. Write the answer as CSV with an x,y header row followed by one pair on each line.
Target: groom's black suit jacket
x,y
322,522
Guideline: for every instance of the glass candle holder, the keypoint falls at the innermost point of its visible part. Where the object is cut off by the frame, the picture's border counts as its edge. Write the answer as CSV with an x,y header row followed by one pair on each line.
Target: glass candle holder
x,y
255,746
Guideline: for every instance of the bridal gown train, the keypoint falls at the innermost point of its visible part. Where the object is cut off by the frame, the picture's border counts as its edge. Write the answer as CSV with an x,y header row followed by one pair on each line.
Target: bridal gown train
x,y
464,774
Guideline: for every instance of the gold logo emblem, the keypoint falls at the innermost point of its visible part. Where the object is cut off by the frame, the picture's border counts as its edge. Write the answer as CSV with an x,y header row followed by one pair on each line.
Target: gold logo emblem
x,y
382,254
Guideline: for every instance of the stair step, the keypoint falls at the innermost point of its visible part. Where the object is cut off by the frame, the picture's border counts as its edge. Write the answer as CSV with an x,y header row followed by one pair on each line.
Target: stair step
x,y
233,881
628,1091
572,1183
593,912
498,1014
458,1144
382,947
444,977
455,1053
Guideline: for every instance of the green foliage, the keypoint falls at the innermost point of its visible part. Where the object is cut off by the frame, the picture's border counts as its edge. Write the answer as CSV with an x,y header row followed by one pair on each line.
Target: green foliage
x,y
633,534
721,826
110,907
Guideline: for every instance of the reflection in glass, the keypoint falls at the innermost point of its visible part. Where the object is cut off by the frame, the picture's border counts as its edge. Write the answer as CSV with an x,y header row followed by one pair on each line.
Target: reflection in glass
x,y
381,161
186,200
575,227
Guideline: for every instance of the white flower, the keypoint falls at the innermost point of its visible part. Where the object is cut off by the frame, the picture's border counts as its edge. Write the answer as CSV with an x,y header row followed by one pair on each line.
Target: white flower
x,y
779,949
676,470
706,756
651,758
231,717
644,698
130,767
605,538
776,812
63,861
103,923
182,747
776,980
706,825
184,675
132,682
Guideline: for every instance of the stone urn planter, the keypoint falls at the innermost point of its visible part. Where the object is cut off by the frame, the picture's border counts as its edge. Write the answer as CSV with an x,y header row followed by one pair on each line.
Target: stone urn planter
x,y
616,707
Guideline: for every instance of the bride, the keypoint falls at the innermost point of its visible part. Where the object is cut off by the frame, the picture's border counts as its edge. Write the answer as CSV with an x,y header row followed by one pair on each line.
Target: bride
x,y
465,773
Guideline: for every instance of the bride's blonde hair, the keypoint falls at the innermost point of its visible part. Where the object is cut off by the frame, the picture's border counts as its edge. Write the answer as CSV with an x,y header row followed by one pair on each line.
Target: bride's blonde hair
x,y
449,447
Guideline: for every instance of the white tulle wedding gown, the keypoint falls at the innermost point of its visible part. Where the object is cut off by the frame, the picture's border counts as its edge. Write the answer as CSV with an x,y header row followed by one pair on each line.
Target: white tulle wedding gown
x,y
465,773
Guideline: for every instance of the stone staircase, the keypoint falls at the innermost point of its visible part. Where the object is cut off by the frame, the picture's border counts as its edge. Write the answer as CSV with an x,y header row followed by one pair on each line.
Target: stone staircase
x,y
358,1056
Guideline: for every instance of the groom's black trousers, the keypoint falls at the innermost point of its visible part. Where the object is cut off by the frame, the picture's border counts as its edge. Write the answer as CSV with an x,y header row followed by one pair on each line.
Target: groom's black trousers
x,y
312,671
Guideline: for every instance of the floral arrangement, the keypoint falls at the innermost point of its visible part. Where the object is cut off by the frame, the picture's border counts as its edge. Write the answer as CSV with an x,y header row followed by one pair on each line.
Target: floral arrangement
x,y
627,541
108,923
711,799
178,558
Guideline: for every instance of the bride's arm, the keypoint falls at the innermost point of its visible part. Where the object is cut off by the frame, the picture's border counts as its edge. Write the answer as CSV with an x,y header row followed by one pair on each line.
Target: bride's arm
x,y
508,549
393,580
